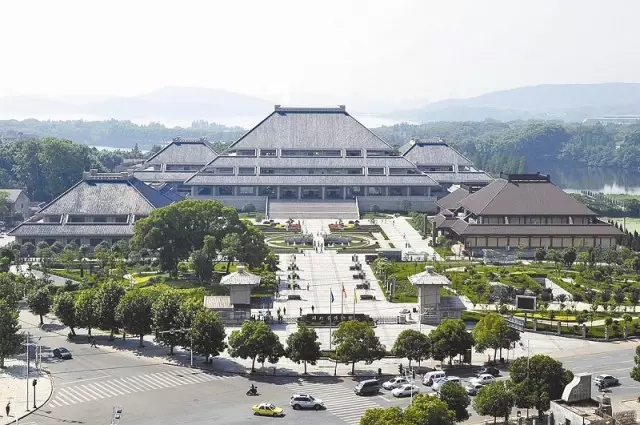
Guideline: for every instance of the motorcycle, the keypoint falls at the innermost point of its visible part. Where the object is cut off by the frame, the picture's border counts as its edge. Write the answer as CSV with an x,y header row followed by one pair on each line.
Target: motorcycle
x,y
603,388
253,391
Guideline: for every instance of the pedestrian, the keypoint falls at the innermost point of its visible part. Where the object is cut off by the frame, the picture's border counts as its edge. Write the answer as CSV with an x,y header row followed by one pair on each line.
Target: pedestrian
x,y
307,286
93,342
279,310
8,408
284,311
316,249
300,311
313,309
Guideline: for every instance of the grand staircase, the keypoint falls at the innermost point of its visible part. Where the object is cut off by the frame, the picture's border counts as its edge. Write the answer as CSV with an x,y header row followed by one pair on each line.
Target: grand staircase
x,y
281,209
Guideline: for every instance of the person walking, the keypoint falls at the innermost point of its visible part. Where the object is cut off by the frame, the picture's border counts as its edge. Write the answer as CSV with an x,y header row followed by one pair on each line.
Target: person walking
x,y
313,309
8,409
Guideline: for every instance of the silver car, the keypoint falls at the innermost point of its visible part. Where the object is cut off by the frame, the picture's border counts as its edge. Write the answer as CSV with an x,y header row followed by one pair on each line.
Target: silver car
x,y
305,401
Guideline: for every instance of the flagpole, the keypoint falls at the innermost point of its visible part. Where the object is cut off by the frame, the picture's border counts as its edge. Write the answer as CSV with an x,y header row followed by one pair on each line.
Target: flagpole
x,y
342,303
330,318
354,302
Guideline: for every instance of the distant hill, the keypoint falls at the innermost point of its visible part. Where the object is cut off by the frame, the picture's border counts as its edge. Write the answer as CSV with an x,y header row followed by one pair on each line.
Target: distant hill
x,y
170,104
568,102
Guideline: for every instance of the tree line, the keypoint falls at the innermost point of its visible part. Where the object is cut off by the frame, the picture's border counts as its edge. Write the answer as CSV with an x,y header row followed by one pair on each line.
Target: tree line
x,y
496,146
115,133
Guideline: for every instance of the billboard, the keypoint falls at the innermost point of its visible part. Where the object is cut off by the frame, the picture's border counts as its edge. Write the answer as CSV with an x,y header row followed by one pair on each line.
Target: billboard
x,y
525,303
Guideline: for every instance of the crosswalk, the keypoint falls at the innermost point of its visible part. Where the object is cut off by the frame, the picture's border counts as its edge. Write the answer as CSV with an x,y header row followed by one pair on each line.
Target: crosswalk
x,y
98,390
340,400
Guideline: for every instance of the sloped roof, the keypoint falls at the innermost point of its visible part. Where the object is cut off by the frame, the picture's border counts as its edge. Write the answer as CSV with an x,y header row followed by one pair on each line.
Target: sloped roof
x,y
167,176
523,195
240,277
429,153
429,277
450,201
12,194
469,177
306,128
170,193
107,194
30,229
184,151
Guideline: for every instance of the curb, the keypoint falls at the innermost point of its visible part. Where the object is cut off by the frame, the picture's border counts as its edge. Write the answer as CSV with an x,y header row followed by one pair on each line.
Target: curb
x,y
281,375
45,402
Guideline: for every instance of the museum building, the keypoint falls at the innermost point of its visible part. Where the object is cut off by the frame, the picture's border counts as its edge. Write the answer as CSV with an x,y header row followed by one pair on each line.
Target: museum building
x,y
520,211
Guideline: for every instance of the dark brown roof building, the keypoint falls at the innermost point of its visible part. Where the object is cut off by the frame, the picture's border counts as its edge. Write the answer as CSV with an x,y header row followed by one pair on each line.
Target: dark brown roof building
x,y
521,211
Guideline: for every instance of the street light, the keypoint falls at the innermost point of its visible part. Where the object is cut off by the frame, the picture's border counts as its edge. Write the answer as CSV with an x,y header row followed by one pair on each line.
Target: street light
x,y
35,382
182,331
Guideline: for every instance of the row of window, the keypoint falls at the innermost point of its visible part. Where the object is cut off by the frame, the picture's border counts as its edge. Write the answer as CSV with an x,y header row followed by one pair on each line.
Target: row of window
x,y
371,171
310,153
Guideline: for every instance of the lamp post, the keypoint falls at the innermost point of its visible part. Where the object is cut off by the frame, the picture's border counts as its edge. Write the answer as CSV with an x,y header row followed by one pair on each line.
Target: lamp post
x,y
182,331
35,382
28,344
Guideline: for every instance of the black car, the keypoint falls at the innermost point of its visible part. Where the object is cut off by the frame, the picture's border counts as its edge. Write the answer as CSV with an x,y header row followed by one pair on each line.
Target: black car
x,y
490,370
368,387
62,353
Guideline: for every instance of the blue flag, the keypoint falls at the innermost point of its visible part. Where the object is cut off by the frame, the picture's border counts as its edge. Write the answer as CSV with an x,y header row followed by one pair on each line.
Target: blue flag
x,y
332,299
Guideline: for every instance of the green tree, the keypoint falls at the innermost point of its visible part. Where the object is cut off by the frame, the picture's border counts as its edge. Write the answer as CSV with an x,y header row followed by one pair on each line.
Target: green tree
x,y
64,307
493,332
189,309
179,229
202,265
107,300
635,372
456,398
428,410
356,341
40,302
540,254
207,334
9,290
255,340
231,248
569,256
382,416
494,400
134,312
450,339
553,256
413,345
303,346
87,310
543,380
166,316
10,339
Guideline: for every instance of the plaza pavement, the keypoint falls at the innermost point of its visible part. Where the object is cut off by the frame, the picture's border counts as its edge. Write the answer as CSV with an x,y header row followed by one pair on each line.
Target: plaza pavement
x,y
14,387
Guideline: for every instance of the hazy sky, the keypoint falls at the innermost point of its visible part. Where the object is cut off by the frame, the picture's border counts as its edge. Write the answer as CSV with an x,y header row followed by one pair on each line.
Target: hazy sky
x,y
396,50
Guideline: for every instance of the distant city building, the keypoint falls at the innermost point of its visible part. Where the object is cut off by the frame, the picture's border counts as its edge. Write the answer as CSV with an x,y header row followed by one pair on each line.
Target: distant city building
x,y
520,211
625,120
100,207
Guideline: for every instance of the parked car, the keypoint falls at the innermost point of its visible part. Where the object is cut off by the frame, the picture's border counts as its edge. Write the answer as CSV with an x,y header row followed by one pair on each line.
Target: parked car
x,y
370,386
305,401
395,383
493,371
438,384
267,409
405,390
472,389
62,353
431,377
606,381
483,379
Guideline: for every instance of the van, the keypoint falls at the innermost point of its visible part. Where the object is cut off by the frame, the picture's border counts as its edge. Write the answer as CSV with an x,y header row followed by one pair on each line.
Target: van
x,y
431,377
370,386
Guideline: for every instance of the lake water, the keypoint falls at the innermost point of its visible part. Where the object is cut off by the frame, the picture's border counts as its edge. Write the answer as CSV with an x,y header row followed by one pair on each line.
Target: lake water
x,y
574,178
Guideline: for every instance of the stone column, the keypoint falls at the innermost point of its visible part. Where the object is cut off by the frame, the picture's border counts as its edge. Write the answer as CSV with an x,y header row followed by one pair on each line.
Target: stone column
x,y
429,191
606,333
277,192
324,192
344,192
299,192
624,332
559,328
535,325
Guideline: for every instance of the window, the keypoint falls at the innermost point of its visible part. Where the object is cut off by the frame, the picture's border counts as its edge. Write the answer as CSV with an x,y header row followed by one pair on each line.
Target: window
x,y
247,171
268,152
205,191
354,152
247,190
357,171
224,170
376,171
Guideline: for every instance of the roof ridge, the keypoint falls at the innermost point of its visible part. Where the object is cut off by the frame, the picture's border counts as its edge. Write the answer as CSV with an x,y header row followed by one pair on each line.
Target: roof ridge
x,y
495,194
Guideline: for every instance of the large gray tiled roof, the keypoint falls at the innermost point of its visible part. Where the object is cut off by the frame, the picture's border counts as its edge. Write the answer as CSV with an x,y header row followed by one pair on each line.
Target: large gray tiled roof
x,y
495,230
12,194
523,195
428,153
310,128
450,201
322,162
313,180
107,194
29,229
158,176
184,151
462,177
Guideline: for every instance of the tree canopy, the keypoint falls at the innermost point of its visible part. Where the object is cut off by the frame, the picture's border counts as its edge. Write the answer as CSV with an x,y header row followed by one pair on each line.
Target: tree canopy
x,y
303,346
492,332
450,339
255,340
356,341
412,344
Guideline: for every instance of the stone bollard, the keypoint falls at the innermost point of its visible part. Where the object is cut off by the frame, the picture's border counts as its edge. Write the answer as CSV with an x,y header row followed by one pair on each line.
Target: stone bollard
x,y
624,332
584,331
559,329
535,325
606,333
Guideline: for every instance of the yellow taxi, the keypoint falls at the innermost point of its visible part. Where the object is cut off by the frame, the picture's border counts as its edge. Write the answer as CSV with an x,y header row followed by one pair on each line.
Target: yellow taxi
x,y
267,409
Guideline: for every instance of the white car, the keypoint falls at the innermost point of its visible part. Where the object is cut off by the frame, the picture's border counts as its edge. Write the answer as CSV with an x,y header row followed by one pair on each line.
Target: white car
x,y
395,383
436,385
405,390
483,379
305,401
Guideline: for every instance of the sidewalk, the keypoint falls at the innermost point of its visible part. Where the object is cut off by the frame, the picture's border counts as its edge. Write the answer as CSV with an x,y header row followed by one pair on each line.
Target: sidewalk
x,y
13,389
401,233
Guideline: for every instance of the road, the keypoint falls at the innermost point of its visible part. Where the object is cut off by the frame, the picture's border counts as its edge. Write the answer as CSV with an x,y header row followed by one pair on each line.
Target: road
x,y
23,269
